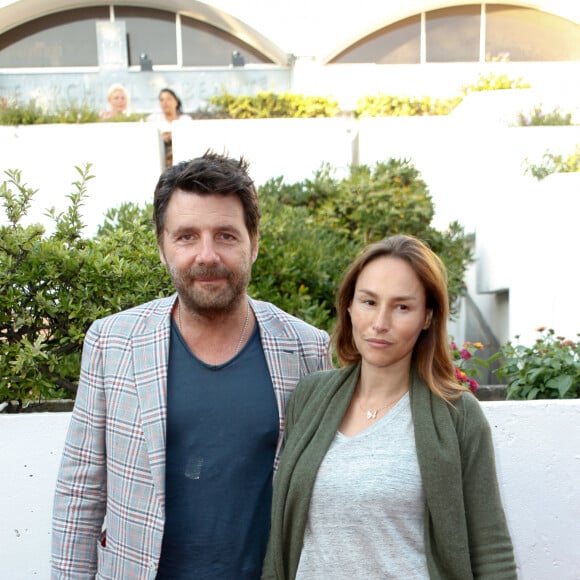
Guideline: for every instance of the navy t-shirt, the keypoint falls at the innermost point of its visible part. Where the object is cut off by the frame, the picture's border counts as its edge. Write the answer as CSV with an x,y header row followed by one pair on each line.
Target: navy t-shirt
x,y
222,431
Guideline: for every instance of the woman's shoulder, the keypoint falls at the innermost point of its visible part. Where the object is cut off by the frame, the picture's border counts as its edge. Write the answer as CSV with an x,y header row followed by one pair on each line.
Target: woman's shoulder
x,y
469,416
324,378
317,385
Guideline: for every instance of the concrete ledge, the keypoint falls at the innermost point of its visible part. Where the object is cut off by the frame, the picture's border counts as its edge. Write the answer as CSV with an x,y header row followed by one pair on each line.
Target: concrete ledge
x,y
491,392
538,463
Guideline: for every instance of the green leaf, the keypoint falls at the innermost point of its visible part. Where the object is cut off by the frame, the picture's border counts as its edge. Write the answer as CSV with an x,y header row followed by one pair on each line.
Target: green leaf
x,y
561,383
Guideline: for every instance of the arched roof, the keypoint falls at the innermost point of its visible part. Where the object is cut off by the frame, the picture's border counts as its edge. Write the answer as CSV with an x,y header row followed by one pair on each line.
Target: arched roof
x,y
19,12
392,13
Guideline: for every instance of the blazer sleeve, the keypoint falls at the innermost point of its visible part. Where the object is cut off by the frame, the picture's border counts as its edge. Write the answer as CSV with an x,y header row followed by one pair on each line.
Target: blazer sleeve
x,y
490,544
80,495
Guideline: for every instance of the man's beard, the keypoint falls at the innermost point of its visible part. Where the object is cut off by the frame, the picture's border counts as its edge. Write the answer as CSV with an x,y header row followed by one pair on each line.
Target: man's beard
x,y
207,301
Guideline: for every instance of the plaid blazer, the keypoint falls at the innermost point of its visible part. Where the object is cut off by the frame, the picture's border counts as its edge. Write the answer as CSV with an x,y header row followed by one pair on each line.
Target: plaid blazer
x,y
112,473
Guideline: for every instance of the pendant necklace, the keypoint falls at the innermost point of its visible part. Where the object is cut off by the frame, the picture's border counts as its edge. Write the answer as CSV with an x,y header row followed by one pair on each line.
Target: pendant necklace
x,y
372,414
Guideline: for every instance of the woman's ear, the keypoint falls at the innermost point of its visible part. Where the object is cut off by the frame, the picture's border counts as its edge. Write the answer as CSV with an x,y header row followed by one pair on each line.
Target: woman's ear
x,y
428,318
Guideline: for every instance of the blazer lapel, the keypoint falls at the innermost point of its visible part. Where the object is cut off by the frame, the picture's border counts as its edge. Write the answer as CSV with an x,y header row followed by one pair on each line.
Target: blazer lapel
x,y
150,358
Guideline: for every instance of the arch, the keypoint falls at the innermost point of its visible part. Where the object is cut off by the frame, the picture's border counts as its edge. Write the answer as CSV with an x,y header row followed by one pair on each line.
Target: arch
x,y
20,12
414,10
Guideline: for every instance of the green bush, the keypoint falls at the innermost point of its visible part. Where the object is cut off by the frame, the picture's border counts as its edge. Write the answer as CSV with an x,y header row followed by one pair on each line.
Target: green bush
x,y
549,369
382,105
537,118
53,287
494,82
396,106
554,163
267,104
324,222
14,113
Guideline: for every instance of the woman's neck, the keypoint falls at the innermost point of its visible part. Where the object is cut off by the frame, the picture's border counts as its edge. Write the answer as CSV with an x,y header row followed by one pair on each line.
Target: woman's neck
x,y
384,382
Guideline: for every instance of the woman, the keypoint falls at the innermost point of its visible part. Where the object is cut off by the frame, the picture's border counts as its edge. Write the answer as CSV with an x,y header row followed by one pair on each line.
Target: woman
x,y
171,112
388,469
118,102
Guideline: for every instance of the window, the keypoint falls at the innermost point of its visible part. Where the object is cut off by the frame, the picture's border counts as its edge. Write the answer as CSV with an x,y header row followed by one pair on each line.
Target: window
x,y
150,32
524,34
452,34
204,45
399,43
58,40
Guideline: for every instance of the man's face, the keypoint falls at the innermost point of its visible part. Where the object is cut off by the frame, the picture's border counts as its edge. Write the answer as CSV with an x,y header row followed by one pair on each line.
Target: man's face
x,y
208,251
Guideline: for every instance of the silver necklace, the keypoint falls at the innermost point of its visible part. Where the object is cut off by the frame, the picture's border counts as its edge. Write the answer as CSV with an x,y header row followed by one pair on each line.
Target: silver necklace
x,y
244,328
372,414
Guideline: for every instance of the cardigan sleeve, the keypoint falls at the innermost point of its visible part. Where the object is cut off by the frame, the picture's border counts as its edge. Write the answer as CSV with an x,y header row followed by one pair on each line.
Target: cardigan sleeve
x,y
490,545
272,568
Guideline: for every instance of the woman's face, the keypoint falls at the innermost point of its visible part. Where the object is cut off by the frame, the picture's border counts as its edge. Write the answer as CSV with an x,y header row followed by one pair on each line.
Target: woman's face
x,y
118,101
168,103
388,312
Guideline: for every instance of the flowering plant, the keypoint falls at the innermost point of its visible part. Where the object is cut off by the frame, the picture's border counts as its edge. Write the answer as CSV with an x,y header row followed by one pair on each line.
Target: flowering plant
x,y
549,369
466,364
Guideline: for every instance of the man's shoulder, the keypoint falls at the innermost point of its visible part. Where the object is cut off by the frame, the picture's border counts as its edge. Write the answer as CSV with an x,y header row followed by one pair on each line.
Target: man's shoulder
x,y
274,318
129,320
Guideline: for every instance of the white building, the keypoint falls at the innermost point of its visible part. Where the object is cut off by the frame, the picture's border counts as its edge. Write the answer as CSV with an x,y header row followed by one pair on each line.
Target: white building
x,y
58,51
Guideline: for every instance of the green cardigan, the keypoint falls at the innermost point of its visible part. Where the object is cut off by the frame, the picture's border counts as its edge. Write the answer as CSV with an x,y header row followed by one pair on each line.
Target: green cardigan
x,y
466,534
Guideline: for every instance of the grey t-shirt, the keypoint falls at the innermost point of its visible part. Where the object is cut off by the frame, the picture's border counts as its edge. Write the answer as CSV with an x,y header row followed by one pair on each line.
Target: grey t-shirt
x,y
367,507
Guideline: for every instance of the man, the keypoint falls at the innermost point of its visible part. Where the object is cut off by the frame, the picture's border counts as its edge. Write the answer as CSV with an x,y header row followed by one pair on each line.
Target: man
x,y
178,421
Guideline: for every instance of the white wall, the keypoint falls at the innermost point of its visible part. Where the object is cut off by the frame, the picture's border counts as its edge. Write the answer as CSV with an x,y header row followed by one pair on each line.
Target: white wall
x,y
473,163
126,162
471,160
291,148
538,463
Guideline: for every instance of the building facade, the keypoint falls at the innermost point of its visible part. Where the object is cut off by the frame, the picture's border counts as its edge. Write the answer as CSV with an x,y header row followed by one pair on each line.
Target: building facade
x,y
58,51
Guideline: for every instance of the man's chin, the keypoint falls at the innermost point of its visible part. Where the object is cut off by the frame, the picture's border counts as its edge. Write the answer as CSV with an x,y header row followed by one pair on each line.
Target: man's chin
x,y
210,303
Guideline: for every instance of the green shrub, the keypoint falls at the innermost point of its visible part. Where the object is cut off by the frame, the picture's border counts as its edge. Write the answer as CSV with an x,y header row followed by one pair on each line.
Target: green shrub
x,y
537,118
549,369
396,106
267,104
494,82
53,287
382,105
554,163
14,113
325,222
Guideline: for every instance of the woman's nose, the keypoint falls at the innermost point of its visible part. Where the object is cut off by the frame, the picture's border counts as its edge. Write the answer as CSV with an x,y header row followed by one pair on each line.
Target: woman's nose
x,y
382,321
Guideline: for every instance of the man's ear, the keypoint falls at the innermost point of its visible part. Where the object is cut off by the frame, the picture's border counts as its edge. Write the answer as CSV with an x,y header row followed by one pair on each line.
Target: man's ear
x,y
255,248
161,255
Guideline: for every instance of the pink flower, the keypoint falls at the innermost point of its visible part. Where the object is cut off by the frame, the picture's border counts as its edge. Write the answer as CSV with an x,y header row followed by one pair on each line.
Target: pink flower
x,y
465,354
453,346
